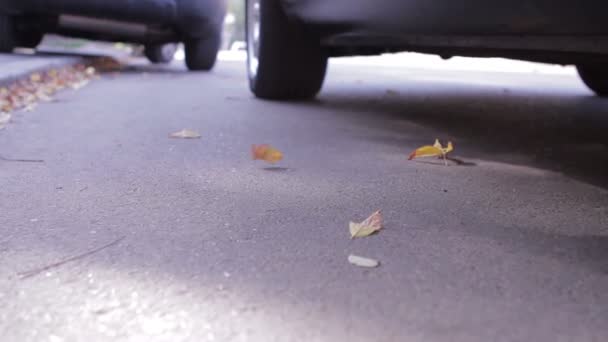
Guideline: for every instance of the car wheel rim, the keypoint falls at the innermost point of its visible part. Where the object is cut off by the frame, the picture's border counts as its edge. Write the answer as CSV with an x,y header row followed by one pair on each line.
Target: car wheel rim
x,y
253,35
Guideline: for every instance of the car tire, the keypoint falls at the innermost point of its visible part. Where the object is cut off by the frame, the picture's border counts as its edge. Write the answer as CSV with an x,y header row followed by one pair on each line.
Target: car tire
x,y
7,34
284,61
160,53
201,53
30,39
595,77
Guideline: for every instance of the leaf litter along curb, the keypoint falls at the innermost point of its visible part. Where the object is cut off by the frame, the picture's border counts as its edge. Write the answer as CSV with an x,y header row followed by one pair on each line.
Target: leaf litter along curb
x,y
26,93
266,153
369,226
435,150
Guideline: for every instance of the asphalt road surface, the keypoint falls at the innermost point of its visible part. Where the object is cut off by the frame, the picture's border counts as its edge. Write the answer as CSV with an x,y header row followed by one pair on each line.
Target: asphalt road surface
x,y
511,245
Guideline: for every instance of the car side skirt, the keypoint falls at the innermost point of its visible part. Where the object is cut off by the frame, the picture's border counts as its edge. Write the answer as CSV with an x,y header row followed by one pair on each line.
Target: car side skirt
x,y
463,17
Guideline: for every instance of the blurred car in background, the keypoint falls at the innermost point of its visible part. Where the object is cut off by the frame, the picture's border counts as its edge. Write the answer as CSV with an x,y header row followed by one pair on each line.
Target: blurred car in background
x,y
157,24
289,41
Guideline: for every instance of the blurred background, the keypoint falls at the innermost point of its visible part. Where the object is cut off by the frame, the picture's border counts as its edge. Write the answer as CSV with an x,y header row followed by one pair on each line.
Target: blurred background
x,y
233,39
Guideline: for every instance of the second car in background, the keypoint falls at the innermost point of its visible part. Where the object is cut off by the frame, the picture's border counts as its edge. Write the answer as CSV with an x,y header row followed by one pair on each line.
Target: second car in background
x,y
157,24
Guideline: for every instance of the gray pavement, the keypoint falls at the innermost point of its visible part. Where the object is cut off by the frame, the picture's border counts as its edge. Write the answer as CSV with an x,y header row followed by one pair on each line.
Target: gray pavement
x,y
511,246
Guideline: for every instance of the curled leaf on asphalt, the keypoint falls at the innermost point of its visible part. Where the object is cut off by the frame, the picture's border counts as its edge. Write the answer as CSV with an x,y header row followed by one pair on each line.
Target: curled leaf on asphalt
x,y
435,150
185,134
369,226
362,261
266,153
106,64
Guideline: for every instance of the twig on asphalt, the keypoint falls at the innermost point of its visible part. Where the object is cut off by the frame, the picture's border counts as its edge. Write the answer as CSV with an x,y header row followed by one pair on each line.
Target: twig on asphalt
x,y
34,272
460,161
457,161
21,160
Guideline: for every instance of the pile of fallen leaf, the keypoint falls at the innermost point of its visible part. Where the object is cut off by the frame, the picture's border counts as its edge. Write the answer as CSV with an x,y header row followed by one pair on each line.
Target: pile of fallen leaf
x,y
25,94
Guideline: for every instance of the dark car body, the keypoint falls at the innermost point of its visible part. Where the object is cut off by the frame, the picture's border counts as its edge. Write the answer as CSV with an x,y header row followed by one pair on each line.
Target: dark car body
x,y
552,31
565,30
138,21
458,17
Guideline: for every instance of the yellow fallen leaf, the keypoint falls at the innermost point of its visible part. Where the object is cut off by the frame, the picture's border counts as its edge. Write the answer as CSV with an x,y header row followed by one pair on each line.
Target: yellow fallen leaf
x,y
369,226
362,261
185,134
449,148
435,150
266,152
35,77
426,151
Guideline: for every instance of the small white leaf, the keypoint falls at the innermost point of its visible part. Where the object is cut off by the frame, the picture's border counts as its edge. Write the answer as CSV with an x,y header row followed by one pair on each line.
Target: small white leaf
x,y
185,134
362,262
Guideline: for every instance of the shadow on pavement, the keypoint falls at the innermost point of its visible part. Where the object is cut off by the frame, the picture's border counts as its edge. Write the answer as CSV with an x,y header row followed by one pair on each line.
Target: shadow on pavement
x,y
561,133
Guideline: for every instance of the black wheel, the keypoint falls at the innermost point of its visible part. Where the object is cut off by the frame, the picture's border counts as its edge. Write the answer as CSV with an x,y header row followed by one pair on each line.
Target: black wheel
x,y
7,34
201,53
160,53
29,39
595,77
284,61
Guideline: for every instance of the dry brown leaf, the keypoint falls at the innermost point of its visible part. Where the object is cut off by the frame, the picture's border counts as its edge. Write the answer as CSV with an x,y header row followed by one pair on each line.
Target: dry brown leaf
x,y
362,261
266,152
369,226
185,134
107,64
35,77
